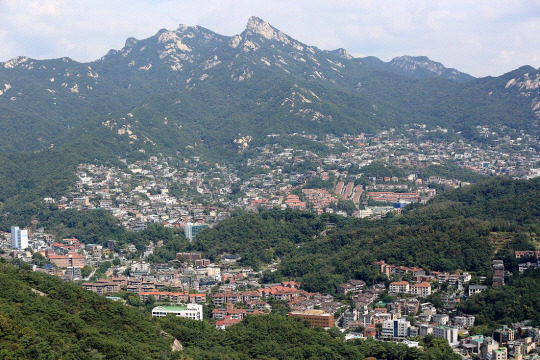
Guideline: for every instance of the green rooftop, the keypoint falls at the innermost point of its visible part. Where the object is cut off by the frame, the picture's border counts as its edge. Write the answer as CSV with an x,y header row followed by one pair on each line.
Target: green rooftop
x,y
170,308
444,327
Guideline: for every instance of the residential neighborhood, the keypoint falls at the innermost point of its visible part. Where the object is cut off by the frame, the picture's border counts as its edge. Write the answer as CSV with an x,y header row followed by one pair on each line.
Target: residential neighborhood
x,y
166,191
398,309
194,195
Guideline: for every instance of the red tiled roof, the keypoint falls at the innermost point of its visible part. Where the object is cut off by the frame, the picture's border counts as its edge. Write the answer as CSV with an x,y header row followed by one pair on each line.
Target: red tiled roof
x,y
399,283
227,322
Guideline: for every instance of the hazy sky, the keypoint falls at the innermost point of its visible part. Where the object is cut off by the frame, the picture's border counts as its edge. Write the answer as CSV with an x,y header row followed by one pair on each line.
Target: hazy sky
x,y
474,36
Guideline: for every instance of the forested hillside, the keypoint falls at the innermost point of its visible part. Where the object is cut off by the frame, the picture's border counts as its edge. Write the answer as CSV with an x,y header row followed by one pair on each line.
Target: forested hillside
x,y
454,231
517,300
42,317
277,337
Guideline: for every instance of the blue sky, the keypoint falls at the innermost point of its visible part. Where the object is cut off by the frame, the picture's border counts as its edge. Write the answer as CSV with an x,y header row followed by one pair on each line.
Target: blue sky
x,y
478,37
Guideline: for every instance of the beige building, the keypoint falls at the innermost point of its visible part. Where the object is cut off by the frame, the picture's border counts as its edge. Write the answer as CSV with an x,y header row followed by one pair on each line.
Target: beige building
x,y
399,287
423,289
317,318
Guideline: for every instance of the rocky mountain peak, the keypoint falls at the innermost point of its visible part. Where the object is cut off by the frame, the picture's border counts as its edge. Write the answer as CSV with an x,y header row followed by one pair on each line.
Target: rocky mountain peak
x,y
413,62
422,64
260,27
130,42
184,28
341,52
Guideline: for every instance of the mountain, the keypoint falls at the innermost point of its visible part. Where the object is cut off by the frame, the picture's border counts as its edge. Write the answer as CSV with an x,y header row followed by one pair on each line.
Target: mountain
x,y
192,91
419,67
422,67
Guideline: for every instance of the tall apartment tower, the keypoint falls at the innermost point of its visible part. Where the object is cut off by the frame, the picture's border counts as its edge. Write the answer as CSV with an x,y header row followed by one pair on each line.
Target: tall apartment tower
x,y
188,231
192,229
19,238
498,273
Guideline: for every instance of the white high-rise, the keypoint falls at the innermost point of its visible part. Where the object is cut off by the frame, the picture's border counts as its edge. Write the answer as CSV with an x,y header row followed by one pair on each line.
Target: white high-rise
x,y
192,229
19,238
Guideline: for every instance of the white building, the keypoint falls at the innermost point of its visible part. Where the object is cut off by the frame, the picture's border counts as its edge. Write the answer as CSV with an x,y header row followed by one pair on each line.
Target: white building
x,y
465,321
441,319
19,238
397,328
190,311
448,333
399,287
475,289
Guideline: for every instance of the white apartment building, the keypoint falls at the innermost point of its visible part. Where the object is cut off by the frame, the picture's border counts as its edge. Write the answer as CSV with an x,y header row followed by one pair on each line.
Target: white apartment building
x,y
190,311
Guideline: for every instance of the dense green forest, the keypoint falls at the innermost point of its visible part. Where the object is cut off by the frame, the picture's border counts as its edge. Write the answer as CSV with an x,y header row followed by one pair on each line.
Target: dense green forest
x,y
499,200
454,231
277,337
516,301
25,179
42,317
260,237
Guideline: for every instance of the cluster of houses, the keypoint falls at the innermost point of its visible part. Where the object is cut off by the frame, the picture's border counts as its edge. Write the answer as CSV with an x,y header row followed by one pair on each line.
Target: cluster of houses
x,y
311,306
392,197
320,199
420,275
141,193
518,341
531,255
349,192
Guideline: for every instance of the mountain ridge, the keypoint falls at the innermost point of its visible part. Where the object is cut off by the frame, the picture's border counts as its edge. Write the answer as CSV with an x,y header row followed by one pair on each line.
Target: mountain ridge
x,y
182,88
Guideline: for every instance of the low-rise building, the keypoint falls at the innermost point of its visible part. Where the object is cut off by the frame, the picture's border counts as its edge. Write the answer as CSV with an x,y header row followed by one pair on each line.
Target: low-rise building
x,y
397,328
475,289
499,354
504,335
441,319
317,318
102,287
422,289
190,311
65,261
399,287
465,321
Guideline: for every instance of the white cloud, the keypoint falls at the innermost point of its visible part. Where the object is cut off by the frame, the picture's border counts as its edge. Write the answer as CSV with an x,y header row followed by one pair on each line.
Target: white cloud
x,y
481,37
